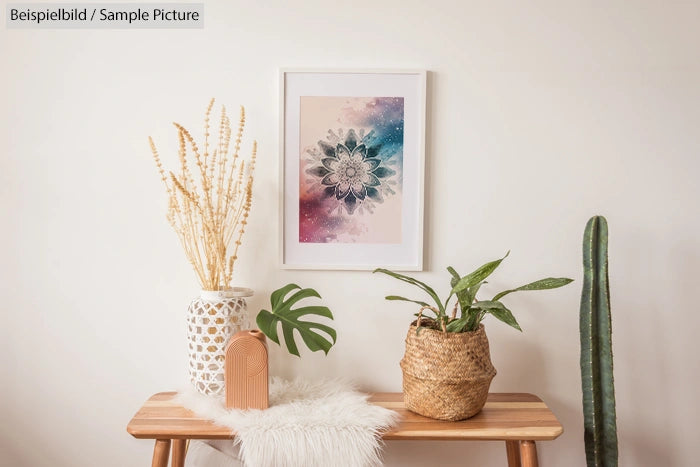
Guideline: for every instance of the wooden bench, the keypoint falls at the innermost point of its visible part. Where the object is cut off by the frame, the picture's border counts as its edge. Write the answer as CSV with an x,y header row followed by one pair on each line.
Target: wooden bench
x,y
518,419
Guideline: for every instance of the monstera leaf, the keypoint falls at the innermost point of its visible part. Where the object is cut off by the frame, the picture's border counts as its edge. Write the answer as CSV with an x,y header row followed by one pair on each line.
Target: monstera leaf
x,y
282,312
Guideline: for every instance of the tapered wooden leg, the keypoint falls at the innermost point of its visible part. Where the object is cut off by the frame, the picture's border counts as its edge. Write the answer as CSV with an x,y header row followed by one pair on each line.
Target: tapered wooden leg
x,y
528,453
179,452
161,452
513,452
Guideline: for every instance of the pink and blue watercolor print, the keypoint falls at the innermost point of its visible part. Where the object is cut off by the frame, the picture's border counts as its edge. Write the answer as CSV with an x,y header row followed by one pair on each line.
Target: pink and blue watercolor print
x,y
351,169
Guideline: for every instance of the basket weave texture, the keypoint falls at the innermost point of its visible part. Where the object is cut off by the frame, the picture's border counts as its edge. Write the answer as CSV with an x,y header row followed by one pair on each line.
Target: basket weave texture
x,y
210,325
446,375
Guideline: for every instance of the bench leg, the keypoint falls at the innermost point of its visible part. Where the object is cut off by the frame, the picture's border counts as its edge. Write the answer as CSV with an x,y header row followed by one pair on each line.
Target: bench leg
x,y
528,453
513,452
161,452
179,452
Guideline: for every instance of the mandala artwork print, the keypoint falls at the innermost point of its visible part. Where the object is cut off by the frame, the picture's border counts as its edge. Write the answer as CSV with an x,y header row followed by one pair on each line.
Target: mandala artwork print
x,y
350,185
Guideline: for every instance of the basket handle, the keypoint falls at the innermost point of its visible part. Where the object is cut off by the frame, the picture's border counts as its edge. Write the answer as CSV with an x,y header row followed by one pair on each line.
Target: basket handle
x,y
420,316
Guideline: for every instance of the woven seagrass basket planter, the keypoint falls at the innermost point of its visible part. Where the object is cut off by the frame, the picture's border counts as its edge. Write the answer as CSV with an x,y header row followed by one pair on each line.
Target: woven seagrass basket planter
x,y
446,375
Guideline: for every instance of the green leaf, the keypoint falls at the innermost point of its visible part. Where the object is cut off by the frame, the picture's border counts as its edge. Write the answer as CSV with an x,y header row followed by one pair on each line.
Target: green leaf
x,y
283,313
470,280
300,295
279,294
480,308
474,317
455,277
488,305
415,282
542,284
315,341
464,297
310,310
267,324
504,314
404,299
288,333
473,290
457,325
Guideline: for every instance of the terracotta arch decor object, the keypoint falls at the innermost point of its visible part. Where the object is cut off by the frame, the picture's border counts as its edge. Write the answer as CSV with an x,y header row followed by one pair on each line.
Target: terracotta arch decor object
x,y
246,371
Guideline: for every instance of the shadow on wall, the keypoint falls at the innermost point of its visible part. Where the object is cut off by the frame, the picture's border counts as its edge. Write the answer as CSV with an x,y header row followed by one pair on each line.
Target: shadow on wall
x,y
648,345
11,454
428,220
512,372
444,453
646,450
636,418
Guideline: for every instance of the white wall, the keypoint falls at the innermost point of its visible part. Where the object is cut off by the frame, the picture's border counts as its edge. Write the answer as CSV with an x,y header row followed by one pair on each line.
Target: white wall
x,y
539,116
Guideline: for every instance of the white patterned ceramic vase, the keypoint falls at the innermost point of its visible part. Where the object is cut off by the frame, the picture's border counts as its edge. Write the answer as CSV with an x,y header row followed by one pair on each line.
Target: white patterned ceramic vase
x,y
212,319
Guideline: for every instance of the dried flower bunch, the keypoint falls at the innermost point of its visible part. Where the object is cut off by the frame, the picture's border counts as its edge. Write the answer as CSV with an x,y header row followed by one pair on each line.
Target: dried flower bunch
x,y
209,211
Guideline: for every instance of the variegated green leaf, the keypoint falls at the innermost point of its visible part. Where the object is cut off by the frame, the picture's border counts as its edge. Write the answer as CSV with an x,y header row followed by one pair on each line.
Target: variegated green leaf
x,y
477,276
404,299
542,284
504,314
429,290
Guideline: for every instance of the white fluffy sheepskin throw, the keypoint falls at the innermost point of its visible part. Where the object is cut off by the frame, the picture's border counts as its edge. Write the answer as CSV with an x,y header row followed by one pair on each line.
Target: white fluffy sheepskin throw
x,y
324,423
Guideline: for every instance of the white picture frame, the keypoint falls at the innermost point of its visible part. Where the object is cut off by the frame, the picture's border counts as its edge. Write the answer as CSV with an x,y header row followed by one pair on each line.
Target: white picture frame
x,y
360,117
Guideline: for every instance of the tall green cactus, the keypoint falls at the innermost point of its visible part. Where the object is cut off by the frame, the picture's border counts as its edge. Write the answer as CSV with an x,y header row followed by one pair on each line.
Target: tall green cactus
x,y
600,425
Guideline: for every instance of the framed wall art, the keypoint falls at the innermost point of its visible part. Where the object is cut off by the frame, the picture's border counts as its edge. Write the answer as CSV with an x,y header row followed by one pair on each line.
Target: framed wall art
x,y
352,169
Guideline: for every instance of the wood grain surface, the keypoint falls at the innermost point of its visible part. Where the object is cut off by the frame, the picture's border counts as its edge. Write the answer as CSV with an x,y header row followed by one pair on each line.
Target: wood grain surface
x,y
506,416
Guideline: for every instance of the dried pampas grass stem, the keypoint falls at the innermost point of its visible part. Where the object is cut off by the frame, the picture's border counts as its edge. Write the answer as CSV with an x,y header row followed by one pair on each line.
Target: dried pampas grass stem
x,y
207,213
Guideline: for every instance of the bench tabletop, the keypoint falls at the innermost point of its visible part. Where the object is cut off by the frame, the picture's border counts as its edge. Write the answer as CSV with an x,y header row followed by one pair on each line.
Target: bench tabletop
x,y
506,416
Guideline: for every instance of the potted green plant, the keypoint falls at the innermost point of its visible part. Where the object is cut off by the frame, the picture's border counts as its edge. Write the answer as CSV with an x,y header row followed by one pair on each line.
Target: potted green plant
x,y
447,368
